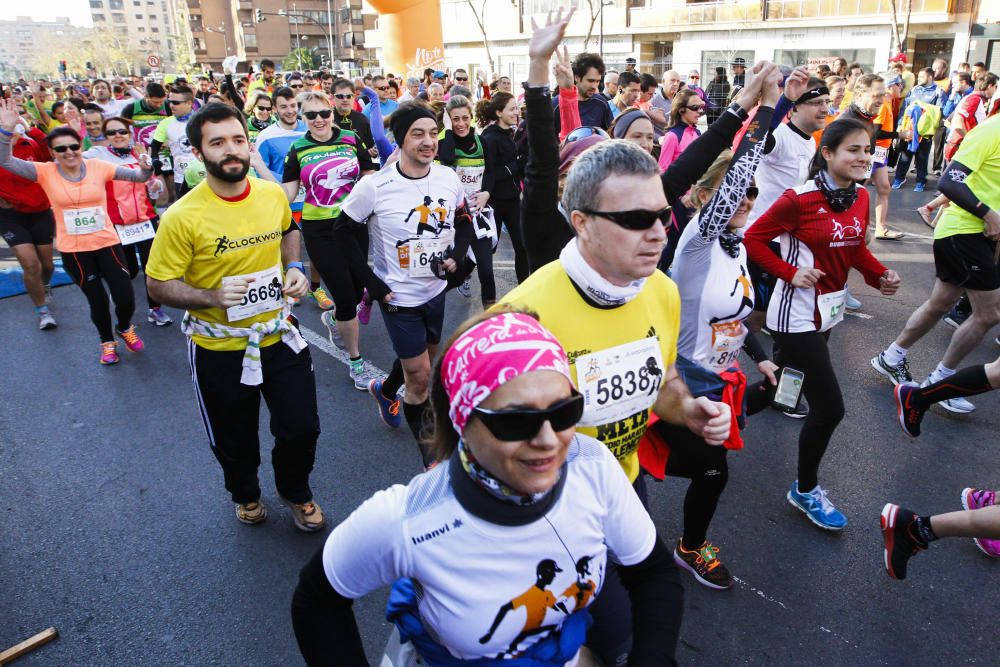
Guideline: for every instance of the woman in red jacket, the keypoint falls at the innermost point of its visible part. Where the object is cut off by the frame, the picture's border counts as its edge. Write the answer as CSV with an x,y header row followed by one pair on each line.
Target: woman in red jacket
x,y
821,226
26,221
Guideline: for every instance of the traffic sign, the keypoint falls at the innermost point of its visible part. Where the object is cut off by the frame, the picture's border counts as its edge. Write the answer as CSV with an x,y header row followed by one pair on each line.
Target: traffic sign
x,y
153,60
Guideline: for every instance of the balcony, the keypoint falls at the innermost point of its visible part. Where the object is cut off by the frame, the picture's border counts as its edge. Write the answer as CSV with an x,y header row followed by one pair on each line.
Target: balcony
x,y
669,13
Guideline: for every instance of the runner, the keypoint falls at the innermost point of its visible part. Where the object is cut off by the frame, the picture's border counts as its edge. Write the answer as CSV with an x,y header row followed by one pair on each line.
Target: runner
x,y
509,457
328,162
965,245
85,238
821,226
410,257
129,206
386,105
347,118
93,120
716,296
921,117
26,221
100,94
145,115
171,132
258,111
635,126
906,533
628,93
219,254
588,68
463,151
265,81
498,117
913,401
682,128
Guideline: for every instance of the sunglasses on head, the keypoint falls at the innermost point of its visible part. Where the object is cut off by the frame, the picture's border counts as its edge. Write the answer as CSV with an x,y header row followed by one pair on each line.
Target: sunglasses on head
x,y
637,219
119,133
312,115
517,424
583,132
344,96
66,147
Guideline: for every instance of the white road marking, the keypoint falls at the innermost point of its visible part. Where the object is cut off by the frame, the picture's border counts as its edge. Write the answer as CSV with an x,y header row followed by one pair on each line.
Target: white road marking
x,y
860,316
322,342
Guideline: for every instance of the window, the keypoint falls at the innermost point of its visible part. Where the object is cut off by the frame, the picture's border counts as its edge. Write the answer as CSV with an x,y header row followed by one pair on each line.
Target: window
x,y
96,4
154,29
120,30
152,17
137,3
99,18
141,29
116,4
118,18
138,16
250,40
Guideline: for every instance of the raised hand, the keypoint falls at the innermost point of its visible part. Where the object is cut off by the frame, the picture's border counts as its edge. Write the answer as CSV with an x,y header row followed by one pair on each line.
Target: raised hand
x,y
8,115
769,91
546,38
796,83
748,95
562,70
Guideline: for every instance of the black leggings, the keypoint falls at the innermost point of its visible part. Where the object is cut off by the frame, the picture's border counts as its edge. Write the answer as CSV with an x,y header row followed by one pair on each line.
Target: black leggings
x,y
508,212
331,261
88,269
483,250
136,258
808,352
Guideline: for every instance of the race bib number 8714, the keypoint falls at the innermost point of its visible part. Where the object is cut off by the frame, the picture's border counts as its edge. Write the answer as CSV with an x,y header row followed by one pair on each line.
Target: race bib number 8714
x,y
620,381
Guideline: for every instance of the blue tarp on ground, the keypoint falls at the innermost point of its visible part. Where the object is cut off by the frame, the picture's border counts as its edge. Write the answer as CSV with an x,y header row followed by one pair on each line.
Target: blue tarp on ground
x,y
12,280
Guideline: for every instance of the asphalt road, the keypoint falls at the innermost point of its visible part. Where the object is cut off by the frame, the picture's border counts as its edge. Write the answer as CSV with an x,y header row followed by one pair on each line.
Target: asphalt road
x,y
117,531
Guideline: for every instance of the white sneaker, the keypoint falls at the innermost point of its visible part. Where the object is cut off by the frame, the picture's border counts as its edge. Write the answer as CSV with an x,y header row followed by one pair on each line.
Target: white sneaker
x,y
326,317
465,289
957,405
361,379
158,317
46,321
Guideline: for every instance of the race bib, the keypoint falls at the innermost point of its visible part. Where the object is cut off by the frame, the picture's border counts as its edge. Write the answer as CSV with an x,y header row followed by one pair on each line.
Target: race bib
x,y
129,234
727,341
84,220
264,295
880,156
421,253
301,196
831,308
166,163
620,381
471,178
182,163
485,225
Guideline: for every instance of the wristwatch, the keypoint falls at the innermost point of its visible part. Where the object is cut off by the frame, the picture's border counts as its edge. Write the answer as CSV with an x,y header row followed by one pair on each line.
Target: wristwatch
x,y
296,265
739,111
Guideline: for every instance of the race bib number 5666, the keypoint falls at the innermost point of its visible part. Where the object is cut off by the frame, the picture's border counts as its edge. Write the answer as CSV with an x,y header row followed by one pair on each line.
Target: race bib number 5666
x,y
620,381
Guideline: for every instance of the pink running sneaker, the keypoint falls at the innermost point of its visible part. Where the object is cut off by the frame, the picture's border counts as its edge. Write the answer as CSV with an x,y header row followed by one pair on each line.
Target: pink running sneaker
x,y
974,499
365,308
109,353
132,340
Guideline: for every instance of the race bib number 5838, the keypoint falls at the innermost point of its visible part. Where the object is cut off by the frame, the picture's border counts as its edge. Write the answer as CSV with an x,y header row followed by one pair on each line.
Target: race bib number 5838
x,y
620,381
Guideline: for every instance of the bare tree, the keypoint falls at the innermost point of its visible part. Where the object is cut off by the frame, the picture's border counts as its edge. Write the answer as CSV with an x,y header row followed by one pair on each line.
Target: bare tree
x,y
899,36
480,16
593,13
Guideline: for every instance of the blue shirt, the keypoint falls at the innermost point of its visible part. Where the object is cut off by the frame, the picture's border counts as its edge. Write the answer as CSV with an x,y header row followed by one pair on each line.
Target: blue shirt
x,y
386,107
273,143
953,101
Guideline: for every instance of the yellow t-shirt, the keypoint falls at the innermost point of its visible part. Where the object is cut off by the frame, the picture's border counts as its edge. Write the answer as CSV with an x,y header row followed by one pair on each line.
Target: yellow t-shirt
x,y
203,238
584,329
980,152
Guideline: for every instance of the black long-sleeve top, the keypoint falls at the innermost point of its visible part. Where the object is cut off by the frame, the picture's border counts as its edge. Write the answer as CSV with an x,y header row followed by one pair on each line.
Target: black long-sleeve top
x,y
503,171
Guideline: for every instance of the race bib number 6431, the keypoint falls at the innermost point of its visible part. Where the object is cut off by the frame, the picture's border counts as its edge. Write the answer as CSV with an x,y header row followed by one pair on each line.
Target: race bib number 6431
x,y
620,381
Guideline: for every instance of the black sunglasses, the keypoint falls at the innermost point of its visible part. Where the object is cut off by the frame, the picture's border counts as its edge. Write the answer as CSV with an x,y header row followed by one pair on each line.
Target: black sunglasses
x,y
264,108
752,192
524,423
121,133
638,219
461,78
177,101
312,115
584,132
66,147
700,110
344,96
383,88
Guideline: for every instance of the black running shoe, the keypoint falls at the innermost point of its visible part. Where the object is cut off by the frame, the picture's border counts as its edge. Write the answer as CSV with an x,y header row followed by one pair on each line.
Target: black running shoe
x,y
909,416
900,545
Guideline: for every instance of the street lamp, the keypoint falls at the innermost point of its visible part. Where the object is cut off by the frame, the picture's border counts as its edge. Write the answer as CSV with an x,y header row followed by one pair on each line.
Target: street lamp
x,y
293,13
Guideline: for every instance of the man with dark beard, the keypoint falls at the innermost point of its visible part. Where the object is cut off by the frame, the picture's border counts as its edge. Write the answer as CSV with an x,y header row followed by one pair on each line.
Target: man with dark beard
x,y
228,252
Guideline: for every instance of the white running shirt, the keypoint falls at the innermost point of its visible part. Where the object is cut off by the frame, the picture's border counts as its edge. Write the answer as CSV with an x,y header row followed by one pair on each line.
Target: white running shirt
x,y
785,167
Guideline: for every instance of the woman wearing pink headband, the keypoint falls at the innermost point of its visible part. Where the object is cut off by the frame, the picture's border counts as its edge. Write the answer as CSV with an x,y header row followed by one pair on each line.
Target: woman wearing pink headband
x,y
496,555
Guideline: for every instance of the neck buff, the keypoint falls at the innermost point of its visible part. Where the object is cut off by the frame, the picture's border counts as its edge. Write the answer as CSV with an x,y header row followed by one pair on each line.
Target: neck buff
x,y
494,487
121,152
730,242
491,353
840,199
593,284
260,124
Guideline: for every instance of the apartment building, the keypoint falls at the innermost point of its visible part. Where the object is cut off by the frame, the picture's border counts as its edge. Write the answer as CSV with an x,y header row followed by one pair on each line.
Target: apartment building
x,y
23,41
331,30
697,34
145,27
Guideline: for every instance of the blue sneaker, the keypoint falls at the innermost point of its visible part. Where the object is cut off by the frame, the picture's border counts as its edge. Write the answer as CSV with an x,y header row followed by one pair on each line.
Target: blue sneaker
x,y
817,507
897,184
387,410
919,187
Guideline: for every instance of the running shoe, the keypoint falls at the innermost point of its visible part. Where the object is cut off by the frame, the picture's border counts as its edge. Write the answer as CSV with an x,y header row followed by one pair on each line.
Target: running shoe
x,y
800,411
909,416
251,513
889,235
919,187
957,405
361,379
158,317
897,374
465,289
974,499
321,299
331,328
387,410
132,340
308,517
109,353
899,543
46,321
817,506
927,215
955,317
852,303
365,308
294,300
704,564
897,184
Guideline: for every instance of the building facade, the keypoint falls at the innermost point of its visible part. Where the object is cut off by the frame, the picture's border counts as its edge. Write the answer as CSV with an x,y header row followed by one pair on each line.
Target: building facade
x,y
694,34
24,42
144,28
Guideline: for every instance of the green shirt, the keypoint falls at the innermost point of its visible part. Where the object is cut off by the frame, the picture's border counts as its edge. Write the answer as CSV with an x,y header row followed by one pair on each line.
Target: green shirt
x,y
980,152
328,170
